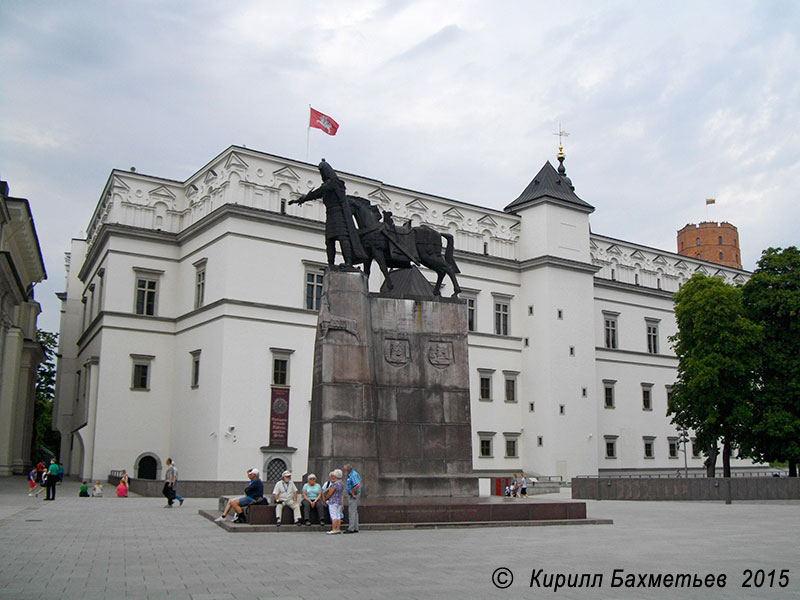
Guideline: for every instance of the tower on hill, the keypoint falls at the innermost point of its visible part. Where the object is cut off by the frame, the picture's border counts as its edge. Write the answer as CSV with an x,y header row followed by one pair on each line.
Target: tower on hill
x,y
711,241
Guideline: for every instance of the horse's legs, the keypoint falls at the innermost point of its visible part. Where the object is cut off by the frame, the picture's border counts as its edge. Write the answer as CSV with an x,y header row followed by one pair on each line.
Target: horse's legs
x,y
456,287
437,289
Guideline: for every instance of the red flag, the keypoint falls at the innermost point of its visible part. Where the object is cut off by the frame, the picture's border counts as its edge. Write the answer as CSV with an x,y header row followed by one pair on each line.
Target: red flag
x,y
324,122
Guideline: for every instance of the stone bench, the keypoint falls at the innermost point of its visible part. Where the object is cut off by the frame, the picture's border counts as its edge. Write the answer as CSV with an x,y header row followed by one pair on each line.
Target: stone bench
x,y
264,514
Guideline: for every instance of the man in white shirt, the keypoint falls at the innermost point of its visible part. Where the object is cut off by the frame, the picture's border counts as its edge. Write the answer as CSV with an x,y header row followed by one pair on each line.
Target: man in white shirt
x,y
285,492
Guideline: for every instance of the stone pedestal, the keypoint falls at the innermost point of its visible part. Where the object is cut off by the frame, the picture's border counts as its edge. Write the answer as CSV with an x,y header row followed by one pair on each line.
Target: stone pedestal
x,y
391,391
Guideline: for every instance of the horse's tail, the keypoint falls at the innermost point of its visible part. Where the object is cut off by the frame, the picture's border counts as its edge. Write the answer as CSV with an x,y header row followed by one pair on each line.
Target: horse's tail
x,y
449,251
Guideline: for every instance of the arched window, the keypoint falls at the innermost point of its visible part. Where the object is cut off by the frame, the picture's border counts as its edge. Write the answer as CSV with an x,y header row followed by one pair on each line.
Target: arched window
x,y
698,241
275,469
719,240
720,255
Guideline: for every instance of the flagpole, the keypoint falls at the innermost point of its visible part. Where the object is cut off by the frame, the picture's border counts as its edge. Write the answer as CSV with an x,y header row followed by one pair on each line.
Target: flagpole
x,y
308,131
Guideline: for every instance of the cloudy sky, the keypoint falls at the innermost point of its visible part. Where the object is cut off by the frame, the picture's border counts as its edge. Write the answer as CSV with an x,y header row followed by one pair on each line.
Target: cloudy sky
x,y
666,103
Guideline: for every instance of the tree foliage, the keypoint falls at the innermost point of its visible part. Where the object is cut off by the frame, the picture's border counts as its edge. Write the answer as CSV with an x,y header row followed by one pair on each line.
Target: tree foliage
x,y
717,350
772,299
45,442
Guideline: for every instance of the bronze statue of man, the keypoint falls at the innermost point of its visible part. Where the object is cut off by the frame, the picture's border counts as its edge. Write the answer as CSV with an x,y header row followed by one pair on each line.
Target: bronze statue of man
x,y
339,224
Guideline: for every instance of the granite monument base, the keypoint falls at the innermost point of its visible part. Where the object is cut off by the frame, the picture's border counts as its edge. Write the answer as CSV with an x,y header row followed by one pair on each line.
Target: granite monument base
x,y
391,391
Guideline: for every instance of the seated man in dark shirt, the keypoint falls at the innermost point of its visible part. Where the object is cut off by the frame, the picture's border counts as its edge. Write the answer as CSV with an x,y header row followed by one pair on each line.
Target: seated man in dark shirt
x,y
253,493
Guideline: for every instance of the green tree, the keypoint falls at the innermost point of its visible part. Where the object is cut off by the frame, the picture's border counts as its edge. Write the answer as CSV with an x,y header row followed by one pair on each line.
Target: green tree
x,y
45,442
772,298
717,349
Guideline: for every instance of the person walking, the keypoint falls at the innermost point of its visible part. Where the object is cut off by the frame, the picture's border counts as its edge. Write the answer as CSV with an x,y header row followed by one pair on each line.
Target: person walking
x,y
52,479
169,480
353,489
172,477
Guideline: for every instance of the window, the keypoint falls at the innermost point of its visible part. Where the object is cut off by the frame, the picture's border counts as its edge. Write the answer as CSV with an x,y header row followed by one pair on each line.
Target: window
x,y
613,275
146,300
647,396
511,385
719,241
584,392
471,314
560,314
485,384
314,280
140,379
195,380
636,278
669,394
77,386
648,447
609,393
652,336
562,409
610,324
611,446
199,283
275,469
91,302
501,318
673,447
720,255
530,310
527,342
486,448
486,248
696,449
698,241
472,305
531,407
512,450
540,441
279,369
485,444
280,366
572,350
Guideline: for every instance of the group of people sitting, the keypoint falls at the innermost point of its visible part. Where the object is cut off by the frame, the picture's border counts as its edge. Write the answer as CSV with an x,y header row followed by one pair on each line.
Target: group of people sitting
x,y
313,497
97,490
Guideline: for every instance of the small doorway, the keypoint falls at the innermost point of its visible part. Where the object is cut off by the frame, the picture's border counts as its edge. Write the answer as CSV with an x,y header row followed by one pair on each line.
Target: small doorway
x,y
148,468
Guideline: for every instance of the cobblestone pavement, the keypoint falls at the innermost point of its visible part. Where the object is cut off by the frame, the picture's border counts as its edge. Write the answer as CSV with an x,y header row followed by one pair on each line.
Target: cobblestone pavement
x,y
116,548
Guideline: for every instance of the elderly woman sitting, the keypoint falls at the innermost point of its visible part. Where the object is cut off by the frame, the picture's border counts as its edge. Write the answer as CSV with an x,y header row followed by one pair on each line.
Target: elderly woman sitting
x,y
312,499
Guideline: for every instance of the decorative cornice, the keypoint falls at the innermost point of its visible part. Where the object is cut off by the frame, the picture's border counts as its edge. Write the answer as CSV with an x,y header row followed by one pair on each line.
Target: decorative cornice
x,y
557,261
632,288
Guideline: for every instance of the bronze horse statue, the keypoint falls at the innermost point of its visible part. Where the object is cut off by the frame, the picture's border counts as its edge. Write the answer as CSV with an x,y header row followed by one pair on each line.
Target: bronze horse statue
x,y
400,247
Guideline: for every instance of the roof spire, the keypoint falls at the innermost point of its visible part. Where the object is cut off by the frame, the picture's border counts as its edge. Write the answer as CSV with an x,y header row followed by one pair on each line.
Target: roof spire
x,y
562,170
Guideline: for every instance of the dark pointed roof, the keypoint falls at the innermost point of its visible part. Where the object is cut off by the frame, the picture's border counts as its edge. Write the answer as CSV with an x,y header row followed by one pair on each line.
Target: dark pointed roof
x,y
549,185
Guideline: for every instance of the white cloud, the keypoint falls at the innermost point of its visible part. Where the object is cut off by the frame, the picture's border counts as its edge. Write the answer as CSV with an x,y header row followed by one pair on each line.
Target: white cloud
x,y
666,103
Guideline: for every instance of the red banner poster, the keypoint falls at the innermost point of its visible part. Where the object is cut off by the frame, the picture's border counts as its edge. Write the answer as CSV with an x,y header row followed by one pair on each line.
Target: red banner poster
x,y
279,418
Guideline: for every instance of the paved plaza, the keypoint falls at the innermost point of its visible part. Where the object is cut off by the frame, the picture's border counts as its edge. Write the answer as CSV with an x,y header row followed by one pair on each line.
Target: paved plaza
x,y
116,548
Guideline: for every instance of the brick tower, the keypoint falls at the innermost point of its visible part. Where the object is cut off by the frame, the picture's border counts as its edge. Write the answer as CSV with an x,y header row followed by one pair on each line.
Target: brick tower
x,y
711,241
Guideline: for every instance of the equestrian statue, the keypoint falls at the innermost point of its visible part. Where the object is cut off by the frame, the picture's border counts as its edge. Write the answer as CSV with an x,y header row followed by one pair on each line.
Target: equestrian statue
x,y
377,237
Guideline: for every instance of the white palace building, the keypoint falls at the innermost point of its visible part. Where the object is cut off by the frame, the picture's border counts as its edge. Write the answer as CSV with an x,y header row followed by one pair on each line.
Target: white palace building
x,y
190,302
